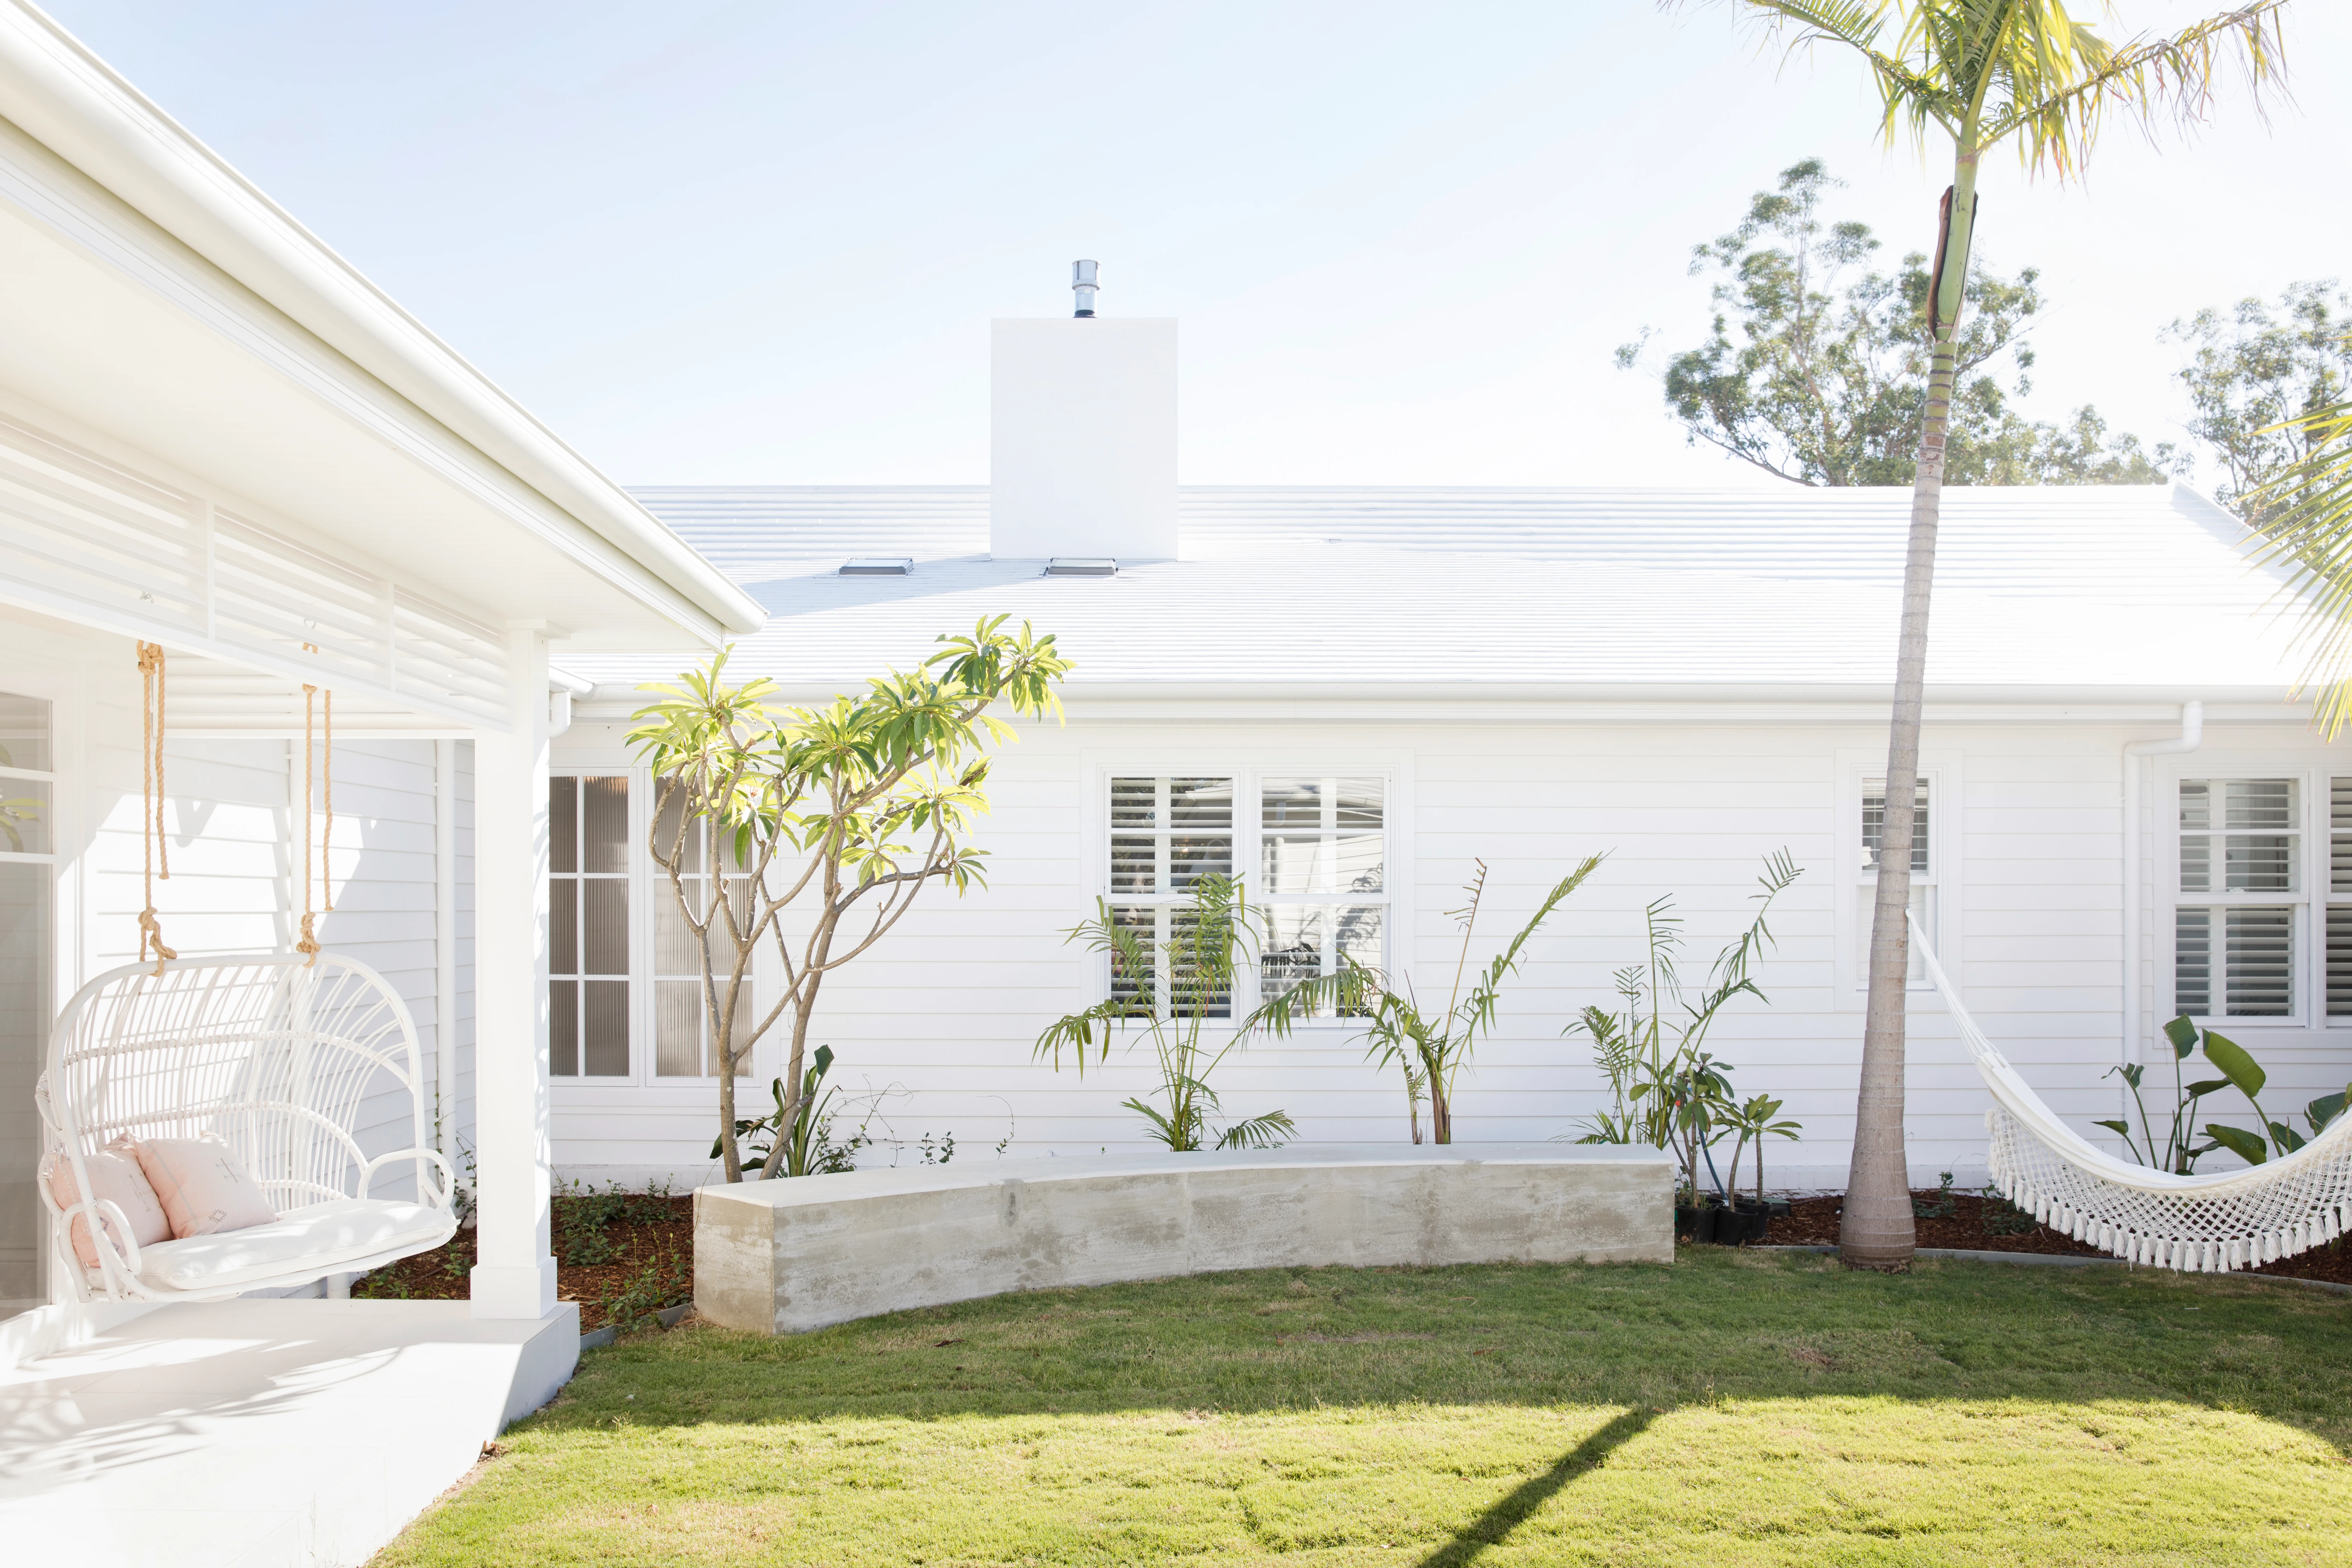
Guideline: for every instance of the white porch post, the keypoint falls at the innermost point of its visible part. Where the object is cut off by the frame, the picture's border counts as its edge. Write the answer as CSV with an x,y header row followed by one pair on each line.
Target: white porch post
x,y
514,1270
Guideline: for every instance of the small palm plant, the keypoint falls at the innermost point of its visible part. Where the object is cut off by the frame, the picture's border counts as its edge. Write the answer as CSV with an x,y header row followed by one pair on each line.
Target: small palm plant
x,y
1175,991
1431,1048
1668,1091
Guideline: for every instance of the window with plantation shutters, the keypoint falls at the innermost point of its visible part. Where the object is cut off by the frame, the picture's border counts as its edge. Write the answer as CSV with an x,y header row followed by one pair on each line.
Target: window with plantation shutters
x,y
1166,833
1310,850
1923,901
1322,876
2240,899
2339,886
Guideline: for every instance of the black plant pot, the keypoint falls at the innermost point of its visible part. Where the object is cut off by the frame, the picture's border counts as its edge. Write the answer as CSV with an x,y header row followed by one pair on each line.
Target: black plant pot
x,y
1741,1224
1696,1223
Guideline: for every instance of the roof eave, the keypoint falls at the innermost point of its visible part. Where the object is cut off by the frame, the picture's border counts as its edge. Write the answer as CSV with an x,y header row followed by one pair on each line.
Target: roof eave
x,y
64,96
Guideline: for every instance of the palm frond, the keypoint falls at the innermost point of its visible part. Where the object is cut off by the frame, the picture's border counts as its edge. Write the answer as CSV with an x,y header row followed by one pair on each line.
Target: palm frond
x,y
2303,523
1267,1131
2026,72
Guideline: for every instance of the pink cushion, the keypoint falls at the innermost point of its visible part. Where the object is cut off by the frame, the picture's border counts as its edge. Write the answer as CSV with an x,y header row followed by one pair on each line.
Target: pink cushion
x,y
113,1177
203,1187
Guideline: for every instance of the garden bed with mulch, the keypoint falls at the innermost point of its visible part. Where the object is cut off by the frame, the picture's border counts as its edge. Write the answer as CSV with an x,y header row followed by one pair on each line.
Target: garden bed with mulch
x,y
1980,1224
622,1256
625,1257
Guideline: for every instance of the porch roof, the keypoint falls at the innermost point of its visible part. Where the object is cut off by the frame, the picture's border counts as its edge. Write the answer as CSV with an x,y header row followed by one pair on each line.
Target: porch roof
x,y
166,319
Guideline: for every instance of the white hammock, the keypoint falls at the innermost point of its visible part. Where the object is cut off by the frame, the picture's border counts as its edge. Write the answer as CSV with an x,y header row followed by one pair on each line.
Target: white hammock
x,y
2202,1224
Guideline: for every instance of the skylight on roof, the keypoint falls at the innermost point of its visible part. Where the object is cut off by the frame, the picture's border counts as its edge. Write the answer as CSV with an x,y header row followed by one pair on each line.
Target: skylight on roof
x,y
878,566
1082,566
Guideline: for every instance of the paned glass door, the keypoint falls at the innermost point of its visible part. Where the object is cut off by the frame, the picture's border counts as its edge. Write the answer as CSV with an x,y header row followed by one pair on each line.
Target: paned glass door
x,y
28,785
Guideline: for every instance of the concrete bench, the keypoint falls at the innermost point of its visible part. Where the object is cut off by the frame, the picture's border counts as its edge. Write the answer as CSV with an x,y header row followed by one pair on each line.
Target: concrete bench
x,y
783,1257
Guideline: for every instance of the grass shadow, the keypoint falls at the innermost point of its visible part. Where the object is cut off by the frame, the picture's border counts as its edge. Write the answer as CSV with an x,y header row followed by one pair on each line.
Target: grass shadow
x,y
1727,1326
1491,1526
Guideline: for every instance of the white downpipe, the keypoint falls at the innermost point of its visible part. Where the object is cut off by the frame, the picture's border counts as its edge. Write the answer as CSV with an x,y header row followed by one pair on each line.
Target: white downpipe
x,y
445,948
2192,736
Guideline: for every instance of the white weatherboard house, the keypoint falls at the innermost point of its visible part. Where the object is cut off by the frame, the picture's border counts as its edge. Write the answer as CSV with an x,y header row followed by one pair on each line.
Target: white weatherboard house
x,y
216,437
1352,696
216,440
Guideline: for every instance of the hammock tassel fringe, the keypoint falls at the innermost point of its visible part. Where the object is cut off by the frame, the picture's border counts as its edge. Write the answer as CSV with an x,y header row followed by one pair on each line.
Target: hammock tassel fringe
x,y
2198,1224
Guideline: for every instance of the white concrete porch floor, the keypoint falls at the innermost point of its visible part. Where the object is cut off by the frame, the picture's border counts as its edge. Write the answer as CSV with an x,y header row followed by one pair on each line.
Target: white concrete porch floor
x,y
259,1432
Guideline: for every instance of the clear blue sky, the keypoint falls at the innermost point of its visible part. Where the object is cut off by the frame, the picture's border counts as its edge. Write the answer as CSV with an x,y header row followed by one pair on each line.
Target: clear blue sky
x,y
760,243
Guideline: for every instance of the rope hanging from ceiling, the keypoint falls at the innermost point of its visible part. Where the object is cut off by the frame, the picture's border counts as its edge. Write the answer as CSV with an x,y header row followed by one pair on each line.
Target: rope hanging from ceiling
x,y
318,779
154,847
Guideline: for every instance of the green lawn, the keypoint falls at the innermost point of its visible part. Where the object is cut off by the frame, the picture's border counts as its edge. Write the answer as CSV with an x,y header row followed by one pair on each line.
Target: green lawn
x,y
1734,1409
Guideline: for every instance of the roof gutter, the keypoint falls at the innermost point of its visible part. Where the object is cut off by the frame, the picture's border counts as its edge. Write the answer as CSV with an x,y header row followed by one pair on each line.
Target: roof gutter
x,y
64,97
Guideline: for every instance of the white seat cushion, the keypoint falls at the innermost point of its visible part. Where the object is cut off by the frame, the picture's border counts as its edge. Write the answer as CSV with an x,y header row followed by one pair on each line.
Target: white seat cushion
x,y
300,1244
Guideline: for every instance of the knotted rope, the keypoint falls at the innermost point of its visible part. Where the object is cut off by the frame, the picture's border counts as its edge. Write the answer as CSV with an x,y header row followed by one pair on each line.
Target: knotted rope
x,y
314,700
154,846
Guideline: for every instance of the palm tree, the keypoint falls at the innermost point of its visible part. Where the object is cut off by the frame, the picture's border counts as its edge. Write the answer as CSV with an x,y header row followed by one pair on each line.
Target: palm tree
x,y
1981,72
2304,517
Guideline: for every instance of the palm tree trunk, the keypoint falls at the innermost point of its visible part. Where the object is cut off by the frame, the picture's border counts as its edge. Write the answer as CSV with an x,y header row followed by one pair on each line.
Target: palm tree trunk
x,y
1876,1230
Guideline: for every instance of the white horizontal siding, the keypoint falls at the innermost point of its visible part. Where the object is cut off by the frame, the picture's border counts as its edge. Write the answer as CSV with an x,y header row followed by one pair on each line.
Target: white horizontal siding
x,y
949,1005
235,828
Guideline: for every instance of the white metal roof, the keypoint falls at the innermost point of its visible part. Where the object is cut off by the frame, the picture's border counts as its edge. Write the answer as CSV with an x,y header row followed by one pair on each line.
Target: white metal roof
x,y
2038,589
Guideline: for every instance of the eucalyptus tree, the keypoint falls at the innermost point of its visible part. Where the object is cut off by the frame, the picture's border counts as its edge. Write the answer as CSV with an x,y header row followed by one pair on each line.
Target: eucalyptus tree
x,y
1815,369
2260,383
1977,74
778,824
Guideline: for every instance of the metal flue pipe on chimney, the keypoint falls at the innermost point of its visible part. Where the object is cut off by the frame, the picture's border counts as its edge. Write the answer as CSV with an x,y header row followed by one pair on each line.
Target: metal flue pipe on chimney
x,y
1082,284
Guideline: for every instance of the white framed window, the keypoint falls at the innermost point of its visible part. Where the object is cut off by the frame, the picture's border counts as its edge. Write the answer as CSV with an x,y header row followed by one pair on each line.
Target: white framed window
x,y
2241,907
589,963
29,834
1312,849
2336,980
1935,863
624,991
1925,863
1322,876
682,1034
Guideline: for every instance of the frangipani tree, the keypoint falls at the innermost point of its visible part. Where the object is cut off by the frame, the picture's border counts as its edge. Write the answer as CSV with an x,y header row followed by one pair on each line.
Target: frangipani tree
x,y
1974,74
777,825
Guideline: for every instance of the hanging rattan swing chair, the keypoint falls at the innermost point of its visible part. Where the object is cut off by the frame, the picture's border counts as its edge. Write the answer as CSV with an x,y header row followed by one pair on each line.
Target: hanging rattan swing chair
x,y
282,1056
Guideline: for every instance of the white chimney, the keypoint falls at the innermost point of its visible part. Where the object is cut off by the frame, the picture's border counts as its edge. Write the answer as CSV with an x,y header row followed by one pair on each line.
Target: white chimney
x,y
1083,435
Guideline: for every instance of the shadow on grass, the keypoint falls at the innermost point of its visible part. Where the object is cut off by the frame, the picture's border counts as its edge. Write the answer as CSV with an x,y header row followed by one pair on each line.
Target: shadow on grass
x,y
1490,1526
1613,1336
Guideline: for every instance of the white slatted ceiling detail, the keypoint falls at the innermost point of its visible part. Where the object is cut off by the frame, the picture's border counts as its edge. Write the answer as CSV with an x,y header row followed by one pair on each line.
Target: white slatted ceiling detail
x,y
270,593
440,656
89,530
87,534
